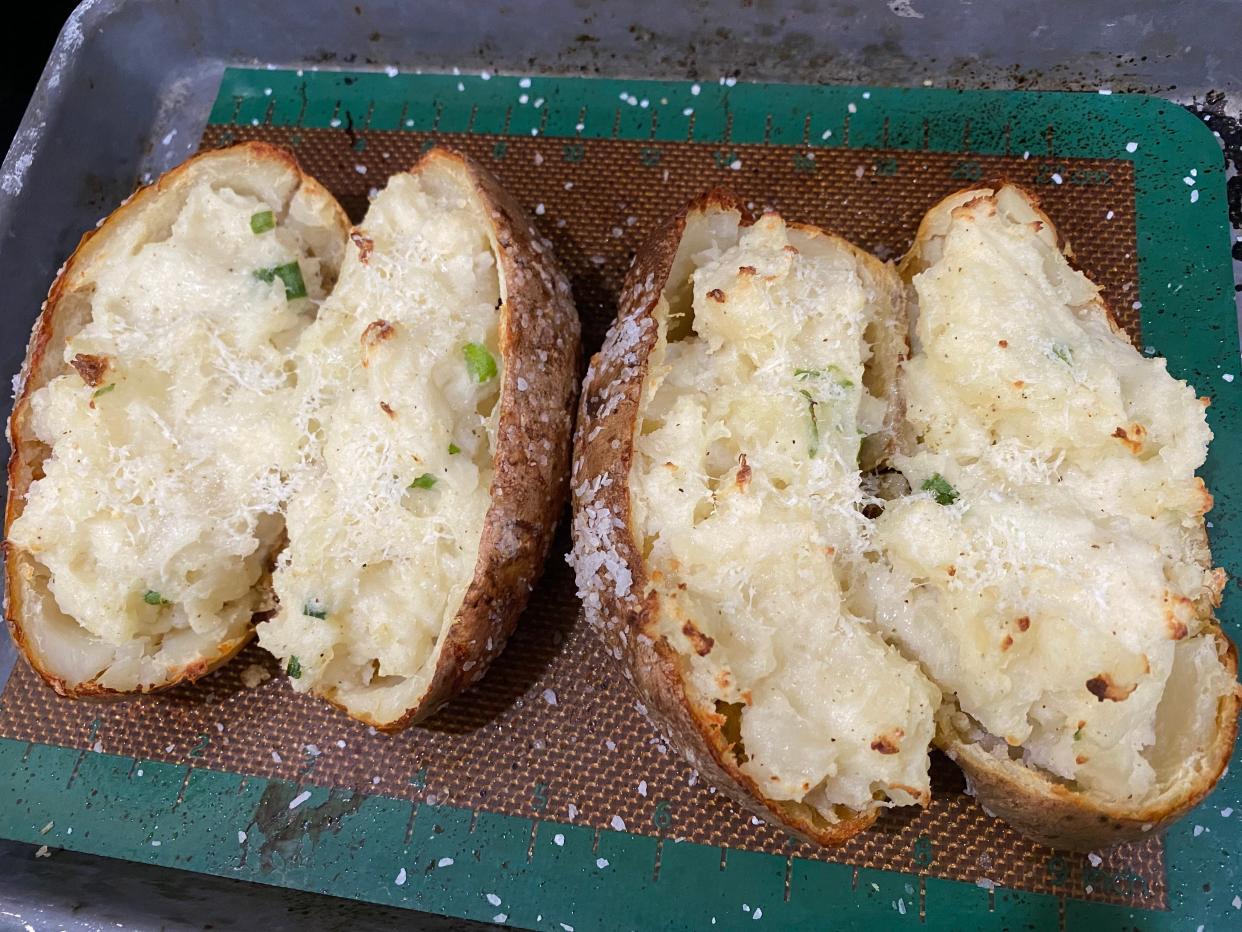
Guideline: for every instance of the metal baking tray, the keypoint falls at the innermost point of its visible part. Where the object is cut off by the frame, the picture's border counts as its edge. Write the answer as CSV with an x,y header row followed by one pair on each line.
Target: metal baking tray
x,y
130,87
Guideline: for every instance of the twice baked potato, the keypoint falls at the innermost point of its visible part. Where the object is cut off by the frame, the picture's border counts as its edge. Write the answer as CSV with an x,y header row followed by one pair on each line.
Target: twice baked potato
x,y
1049,568
150,431
718,514
435,389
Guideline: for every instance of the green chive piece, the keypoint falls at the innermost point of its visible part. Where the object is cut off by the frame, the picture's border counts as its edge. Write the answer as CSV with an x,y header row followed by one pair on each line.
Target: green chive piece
x,y
425,481
830,371
454,449
1063,353
290,273
811,403
941,491
479,362
103,391
1078,735
263,221
294,668
315,609
151,597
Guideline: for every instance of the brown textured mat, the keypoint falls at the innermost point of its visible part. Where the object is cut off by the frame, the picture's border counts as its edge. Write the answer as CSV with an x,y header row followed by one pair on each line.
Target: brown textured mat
x,y
554,731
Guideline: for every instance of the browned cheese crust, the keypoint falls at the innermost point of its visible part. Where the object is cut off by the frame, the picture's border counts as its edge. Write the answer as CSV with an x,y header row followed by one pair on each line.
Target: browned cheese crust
x,y
612,573
64,313
542,349
1036,805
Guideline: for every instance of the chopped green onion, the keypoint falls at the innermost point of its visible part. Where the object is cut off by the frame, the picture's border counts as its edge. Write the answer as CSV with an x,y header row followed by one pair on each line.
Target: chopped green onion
x,y
941,491
479,362
830,371
290,273
103,391
263,221
1078,735
1063,353
151,597
454,449
314,609
811,403
425,481
294,668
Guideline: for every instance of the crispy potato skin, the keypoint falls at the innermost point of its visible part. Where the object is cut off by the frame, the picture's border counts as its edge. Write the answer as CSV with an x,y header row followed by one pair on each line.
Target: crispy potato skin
x,y
43,363
1035,805
531,459
625,616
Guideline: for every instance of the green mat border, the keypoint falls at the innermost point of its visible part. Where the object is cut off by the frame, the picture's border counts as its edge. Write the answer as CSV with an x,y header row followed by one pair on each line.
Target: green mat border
x,y
355,845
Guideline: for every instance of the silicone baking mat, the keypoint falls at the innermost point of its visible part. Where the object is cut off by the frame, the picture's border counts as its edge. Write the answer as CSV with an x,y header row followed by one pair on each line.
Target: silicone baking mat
x,y
543,798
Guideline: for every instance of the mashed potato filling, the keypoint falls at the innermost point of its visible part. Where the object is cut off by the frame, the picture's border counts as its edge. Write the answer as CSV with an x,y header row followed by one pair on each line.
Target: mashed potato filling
x,y
158,507
1048,567
398,383
746,495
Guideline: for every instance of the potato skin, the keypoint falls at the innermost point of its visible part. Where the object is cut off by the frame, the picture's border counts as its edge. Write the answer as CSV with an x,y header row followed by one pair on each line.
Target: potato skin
x,y
1035,805
43,363
1051,814
612,574
542,350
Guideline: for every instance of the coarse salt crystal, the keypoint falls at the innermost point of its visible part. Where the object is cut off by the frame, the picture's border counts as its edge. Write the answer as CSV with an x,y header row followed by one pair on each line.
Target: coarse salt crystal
x,y
601,863
1228,376
1194,196
1095,859
1131,146
852,108
559,840
642,787
549,697
1226,812
539,209
525,82
299,799
444,862
694,89
391,71
241,837
401,877
493,899
618,823
573,811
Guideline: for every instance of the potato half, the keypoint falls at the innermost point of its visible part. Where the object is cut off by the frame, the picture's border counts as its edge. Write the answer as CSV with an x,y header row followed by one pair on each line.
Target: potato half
x,y
435,389
150,432
718,520
1050,568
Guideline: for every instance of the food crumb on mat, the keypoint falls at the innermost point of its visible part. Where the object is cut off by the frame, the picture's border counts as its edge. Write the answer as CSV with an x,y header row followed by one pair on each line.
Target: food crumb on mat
x,y
254,674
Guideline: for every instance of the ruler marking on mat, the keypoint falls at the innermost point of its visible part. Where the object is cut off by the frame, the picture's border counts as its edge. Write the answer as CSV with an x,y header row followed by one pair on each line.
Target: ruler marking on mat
x,y
922,898
788,877
595,841
659,854
530,848
474,820
724,856
185,781
409,824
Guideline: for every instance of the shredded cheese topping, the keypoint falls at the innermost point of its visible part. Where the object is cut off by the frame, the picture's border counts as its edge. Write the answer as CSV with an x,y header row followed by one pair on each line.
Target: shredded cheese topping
x,y
1052,598
746,495
159,503
401,368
